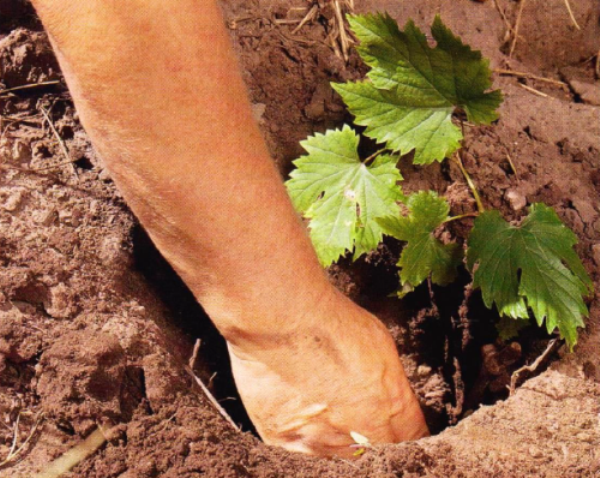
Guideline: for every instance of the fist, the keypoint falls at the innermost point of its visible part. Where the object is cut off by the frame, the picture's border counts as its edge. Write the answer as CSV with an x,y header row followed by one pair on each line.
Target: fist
x,y
340,373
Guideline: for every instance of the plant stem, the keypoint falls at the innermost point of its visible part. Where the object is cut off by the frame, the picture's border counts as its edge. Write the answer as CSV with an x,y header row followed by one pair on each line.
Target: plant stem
x,y
461,216
373,156
470,182
516,30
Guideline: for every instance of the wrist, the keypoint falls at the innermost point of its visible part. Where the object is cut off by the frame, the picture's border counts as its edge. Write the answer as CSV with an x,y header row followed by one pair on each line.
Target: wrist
x,y
262,323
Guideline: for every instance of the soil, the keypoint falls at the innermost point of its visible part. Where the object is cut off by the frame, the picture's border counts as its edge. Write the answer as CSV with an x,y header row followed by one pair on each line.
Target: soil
x,y
95,328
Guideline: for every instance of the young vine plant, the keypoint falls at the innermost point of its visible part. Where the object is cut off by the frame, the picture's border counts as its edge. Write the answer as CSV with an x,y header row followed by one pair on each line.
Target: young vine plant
x,y
408,102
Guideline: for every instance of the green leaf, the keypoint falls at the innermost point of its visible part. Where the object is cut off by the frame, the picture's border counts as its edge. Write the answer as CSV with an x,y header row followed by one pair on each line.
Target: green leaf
x,y
341,195
413,89
531,266
423,254
509,328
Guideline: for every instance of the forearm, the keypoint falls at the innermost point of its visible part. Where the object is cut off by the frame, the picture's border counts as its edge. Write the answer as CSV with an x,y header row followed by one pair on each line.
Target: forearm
x,y
158,91
213,203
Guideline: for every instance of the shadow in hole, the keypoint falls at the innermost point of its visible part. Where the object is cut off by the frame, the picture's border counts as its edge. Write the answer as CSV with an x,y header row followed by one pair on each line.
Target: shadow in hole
x,y
18,13
189,316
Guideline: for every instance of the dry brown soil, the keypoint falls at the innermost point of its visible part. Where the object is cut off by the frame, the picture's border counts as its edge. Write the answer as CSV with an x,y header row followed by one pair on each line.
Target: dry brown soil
x,y
95,328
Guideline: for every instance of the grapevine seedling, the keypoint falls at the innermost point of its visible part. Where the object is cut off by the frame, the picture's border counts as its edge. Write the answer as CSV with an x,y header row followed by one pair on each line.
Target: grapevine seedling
x,y
408,104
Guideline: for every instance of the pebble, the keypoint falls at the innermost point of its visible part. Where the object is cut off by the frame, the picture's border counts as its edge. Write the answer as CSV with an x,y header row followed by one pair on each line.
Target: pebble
x,y
588,92
423,370
44,217
258,110
58,304
585,209
12,198
516,200
111,250
21,152
535,452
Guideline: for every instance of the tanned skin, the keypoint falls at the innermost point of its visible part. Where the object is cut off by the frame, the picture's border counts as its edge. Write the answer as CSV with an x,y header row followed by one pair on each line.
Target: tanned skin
x,y
159,92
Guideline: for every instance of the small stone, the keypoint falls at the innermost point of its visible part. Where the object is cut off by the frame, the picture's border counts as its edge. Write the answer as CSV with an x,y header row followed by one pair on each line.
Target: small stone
x,y
110,249
535,452
44,217
64,215
588,92
423,370
59,304
258,110
21,152
585,209
516,200
10,198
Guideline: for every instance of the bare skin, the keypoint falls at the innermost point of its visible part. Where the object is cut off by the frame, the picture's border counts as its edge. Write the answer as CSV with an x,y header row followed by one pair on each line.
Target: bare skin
x,y
159,92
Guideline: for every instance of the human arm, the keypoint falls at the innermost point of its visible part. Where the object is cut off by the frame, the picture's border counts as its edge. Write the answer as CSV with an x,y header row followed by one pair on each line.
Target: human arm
x,y
158,90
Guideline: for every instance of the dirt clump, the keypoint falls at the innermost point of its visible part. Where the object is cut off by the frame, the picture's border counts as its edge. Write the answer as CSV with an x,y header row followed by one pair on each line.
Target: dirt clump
x,y
95,328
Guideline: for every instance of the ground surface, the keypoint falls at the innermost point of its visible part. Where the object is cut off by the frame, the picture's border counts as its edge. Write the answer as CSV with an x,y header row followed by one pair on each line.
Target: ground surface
x,y
95,328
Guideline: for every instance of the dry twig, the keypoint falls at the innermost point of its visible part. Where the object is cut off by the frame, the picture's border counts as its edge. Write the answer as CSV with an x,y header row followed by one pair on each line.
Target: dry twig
x,y
552,346
339,37
214,401
533,90
76,455
516,29
206,391
61,143
310,16
14,453
522,74
194,357
29,86
571,15
509,28
345,40
512,166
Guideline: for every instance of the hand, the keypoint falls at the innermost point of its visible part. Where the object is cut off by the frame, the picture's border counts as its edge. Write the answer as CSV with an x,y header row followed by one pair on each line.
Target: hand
x,y
310,365
340,373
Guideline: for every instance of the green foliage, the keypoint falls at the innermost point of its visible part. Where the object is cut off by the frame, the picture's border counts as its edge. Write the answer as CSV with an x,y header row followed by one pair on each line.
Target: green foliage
x,y
509,328
343,196
531,266
407,103
423,255
413,89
